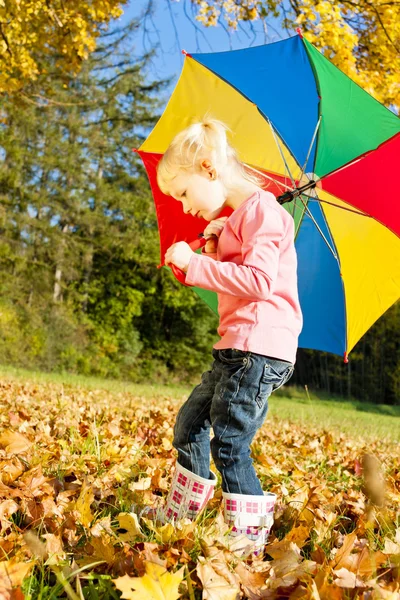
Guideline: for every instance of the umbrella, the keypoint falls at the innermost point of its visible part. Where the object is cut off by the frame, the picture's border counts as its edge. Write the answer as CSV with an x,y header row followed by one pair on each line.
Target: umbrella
x,y
297,119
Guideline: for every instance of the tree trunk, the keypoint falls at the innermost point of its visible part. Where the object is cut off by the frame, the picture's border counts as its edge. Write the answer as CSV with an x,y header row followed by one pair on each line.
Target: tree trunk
x,y
88,258
57,292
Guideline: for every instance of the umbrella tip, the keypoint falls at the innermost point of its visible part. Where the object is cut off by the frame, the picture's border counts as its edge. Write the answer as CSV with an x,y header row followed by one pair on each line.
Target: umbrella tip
x,y
298,30
345,359
135,150
186,53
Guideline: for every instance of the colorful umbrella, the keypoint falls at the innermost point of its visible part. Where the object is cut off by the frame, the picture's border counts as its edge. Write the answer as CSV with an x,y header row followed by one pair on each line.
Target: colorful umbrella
x,y
297,118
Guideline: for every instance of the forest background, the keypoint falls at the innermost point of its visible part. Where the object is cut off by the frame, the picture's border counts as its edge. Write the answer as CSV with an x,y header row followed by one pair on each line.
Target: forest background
x,y
83,84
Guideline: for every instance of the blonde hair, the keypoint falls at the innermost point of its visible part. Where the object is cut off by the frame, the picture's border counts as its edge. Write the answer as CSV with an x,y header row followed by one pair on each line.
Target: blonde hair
x,y
204,139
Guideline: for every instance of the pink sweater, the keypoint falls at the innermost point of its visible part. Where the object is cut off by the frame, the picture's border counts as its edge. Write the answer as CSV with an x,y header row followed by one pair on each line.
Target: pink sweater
x,y
254,272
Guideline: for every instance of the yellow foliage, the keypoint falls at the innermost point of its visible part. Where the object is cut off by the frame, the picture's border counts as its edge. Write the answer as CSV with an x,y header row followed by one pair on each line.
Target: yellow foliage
x,y
361,38
33,30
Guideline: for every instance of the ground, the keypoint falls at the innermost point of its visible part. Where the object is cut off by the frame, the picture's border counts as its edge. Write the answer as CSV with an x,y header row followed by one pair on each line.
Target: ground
x,y
79,456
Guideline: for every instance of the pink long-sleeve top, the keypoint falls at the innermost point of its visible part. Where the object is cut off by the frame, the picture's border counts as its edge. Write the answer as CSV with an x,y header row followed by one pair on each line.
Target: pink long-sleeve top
x,y
254,273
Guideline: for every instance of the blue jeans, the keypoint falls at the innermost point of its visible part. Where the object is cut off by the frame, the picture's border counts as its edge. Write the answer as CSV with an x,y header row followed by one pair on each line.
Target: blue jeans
x,y
232,398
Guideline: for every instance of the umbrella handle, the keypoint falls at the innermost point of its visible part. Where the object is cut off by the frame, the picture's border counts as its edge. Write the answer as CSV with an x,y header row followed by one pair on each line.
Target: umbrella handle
x,y
181,275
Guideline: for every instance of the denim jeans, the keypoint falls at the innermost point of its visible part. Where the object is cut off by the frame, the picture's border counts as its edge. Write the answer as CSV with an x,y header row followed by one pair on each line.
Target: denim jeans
x,y
232,398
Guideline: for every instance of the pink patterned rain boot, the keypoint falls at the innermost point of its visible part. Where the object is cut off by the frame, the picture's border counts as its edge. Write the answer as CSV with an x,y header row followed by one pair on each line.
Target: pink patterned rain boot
x,y
251,515
187,497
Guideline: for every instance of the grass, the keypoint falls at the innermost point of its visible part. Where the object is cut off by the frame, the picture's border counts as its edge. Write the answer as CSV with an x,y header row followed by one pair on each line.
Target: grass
x,y
361,420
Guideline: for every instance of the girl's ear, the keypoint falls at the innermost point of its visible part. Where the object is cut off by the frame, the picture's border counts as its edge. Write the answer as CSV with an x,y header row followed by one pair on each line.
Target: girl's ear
x,y
208,168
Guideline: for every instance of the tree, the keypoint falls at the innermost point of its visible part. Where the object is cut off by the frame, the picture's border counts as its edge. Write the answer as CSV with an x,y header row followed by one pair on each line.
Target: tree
x,y
34,31
361,38
79,287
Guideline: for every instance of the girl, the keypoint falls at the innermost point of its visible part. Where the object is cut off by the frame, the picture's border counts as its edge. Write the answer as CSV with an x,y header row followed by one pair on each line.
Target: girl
x,y
250,261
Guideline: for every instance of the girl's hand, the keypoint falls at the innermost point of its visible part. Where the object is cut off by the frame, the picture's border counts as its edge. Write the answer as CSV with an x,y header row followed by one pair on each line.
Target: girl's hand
x,y
179,254
211,244
215,227
212,233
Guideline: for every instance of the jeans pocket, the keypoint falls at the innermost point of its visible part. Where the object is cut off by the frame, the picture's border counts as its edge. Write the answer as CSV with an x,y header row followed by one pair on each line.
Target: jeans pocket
x,y
272,378
232,356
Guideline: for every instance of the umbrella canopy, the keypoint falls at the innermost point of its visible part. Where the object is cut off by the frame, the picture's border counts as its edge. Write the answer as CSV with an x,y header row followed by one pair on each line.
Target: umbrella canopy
x,y
292,112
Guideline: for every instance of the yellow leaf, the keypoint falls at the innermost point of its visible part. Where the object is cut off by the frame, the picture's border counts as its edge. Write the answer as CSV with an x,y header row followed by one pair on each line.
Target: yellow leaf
x,y
10,469
82,505
14,442
156,584
103,549
167,445
344,550
288,565
215,587
347,579
12,574
129,521
171,533
54,547
142,484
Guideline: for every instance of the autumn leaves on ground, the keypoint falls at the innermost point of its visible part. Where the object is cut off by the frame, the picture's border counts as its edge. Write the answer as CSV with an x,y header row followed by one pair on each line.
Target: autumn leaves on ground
x,y
76,465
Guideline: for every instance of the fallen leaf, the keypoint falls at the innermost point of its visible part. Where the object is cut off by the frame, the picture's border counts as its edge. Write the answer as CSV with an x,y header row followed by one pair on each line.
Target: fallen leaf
x,y
169,533
142,484
215,587
156,584
344,550
14,442
288,565
82,505
347,579
12,574
327,590
129,521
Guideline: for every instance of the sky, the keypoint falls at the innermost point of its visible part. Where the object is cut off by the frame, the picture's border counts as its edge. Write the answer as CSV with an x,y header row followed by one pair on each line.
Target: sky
x,y
172,26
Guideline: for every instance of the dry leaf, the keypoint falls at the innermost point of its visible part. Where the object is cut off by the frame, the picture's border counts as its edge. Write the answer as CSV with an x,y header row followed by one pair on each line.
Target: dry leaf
x,y
142,484
169,532
344,550
288,565
14,442
347,579
12,574
82,505
129,521
215,587
7,508
156,584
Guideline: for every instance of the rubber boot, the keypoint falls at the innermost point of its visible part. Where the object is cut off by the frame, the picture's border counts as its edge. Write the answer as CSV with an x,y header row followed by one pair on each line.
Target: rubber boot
x,y
252,516
187,497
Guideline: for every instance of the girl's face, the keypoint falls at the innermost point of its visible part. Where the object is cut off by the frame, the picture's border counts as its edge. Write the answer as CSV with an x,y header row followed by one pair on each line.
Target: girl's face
x,y
200,195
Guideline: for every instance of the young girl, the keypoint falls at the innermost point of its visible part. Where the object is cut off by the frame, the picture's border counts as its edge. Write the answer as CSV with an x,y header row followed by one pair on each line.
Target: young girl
x,y
250,261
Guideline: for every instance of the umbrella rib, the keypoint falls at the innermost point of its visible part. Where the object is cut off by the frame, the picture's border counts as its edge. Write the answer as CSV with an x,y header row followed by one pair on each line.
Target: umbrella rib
x,y
284,160
301,216
319,229
309,150
281,153
278,183
317,199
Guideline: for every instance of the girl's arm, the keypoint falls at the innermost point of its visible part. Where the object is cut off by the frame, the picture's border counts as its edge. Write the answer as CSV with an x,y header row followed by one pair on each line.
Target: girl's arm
x,y
261,231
